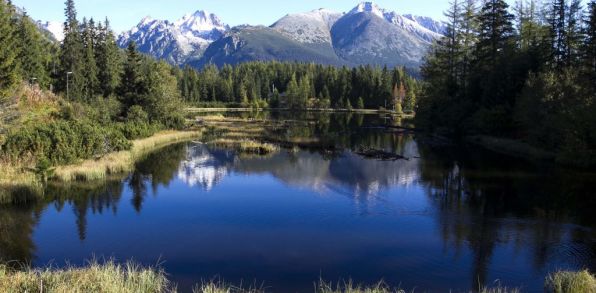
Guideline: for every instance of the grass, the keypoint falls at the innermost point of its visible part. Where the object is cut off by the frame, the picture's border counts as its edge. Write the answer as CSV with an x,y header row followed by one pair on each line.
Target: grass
x,y
218,286
16,181
110,276
350,287
246,146
571,282
120,162
96,277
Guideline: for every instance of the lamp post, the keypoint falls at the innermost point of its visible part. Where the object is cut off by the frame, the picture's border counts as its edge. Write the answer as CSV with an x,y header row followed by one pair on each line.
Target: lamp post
x,y
67,85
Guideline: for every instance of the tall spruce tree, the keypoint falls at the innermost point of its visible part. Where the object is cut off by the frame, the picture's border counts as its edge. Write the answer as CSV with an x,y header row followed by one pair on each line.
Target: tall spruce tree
x,y
133,87
109,63
72,56
573,32
32,54
90,69
8,51
589,48
495,31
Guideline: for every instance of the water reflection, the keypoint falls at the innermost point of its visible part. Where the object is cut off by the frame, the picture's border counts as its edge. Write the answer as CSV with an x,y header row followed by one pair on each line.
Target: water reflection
x,y
476,217
343,172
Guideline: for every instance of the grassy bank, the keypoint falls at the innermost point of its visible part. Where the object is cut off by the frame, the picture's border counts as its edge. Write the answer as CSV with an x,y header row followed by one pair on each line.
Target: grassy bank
x,y
121,162
107,277
113,277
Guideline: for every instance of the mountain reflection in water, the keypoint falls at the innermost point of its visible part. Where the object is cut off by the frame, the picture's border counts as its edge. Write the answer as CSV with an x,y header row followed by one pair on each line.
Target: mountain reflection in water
x,y
446,218
344,172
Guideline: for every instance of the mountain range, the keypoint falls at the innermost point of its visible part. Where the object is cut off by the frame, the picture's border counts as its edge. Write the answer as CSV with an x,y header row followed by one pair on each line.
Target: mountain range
x,y
367,34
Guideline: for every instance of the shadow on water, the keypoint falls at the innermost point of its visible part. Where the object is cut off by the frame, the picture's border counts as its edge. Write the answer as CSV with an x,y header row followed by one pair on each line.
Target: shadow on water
x,y
487,212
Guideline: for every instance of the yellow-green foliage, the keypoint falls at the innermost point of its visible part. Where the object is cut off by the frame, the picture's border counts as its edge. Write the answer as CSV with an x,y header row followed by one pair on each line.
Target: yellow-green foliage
x,y
221,287
36,105
350,287
16,180
120,162
107,277
245,145
571,282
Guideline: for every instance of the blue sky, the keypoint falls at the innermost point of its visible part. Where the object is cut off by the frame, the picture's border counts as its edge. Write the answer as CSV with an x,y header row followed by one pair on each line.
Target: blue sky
x,y
124,14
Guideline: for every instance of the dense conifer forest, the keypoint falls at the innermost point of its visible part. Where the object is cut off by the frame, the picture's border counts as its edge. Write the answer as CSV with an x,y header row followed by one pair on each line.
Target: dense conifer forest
x,y
526,73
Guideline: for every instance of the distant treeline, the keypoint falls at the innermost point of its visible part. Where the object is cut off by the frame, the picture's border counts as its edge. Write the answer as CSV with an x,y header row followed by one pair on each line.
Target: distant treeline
x,y
297,85
527,72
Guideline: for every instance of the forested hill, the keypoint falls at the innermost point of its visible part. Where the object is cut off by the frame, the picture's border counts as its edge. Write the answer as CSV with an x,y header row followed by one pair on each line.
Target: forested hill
x,y
526,73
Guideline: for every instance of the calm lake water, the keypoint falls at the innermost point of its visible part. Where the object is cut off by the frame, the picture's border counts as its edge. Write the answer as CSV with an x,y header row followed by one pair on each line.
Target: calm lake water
x,y
450,217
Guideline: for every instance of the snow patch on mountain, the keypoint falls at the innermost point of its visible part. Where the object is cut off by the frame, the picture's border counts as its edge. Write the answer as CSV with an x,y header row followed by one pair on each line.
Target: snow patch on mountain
x,y
56,28
179,41
423,27
310,27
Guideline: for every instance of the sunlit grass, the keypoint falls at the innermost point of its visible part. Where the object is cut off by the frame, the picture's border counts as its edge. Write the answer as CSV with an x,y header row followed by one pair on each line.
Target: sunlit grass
x,y
217,286
95,277
571,282
245,145
120,162
350,287
16,180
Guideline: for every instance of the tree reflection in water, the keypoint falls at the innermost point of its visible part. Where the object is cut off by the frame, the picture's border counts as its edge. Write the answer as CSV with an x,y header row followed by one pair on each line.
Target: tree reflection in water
x,y
478,201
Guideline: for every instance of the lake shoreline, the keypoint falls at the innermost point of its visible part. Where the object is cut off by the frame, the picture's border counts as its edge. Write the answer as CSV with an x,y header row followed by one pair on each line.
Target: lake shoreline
x,y
110,276
325,110
19,178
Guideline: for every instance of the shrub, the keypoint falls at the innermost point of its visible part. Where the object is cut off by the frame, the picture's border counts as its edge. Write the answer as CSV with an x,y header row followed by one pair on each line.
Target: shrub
x,y
63,142
136,130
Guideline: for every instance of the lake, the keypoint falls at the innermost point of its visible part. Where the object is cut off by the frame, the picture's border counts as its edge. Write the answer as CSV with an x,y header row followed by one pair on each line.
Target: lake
x,y
445,217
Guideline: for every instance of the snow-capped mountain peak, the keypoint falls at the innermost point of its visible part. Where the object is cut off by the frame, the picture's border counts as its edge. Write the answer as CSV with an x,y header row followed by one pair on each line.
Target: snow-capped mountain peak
x,y
368,7
178,41
200,21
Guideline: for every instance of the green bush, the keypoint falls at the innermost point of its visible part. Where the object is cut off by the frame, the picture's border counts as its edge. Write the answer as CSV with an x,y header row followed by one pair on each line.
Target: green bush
x,y
136,130
63,142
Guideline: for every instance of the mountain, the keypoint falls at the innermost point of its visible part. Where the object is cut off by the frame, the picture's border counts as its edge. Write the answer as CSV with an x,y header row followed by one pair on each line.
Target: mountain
x,y
435,26
177,42
312,27
367,34
54,29
250,43
371,35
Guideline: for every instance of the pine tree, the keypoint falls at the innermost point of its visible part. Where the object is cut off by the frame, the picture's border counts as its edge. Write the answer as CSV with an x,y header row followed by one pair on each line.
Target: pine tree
x,y
133,87
469,38
90,70
496,31
72,60
109,63
452,42
573,33
32,55
292,93
589,48
8,52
